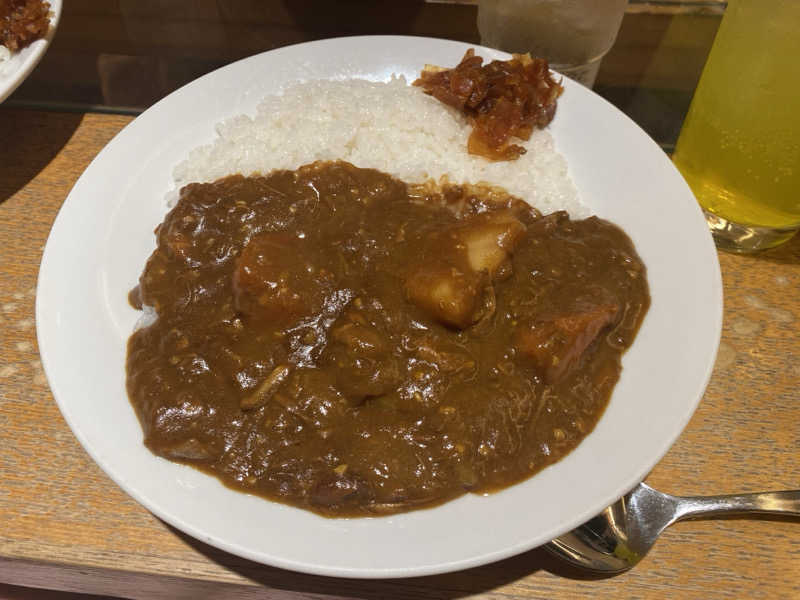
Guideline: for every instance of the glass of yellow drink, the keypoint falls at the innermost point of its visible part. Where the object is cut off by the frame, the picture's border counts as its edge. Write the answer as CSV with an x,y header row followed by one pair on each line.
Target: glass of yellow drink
x,y
739,148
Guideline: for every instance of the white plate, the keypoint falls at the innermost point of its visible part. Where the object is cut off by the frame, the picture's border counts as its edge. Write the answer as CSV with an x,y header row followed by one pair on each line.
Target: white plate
x,y
104,233
14,70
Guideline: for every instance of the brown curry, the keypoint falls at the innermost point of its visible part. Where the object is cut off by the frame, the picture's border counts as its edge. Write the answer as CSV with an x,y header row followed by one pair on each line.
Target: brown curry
x,y
335,339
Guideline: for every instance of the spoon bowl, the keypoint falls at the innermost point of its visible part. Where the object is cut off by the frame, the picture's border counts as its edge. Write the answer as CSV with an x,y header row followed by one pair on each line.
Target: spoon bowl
x,y
620,536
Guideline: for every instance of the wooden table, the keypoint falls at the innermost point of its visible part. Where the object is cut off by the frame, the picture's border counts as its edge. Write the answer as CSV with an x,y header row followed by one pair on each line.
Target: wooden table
x,y
64,525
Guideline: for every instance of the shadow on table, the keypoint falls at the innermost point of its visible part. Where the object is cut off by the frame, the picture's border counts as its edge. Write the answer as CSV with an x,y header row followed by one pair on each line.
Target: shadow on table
x,y
447,586
30,140
13,592
787,253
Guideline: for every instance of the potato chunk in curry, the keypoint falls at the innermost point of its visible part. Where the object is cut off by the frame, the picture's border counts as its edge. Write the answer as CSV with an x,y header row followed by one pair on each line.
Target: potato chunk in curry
x,y
449,294
464,260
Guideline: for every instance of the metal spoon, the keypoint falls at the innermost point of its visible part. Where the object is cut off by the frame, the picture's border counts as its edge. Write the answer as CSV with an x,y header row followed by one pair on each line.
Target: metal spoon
x,y
619,537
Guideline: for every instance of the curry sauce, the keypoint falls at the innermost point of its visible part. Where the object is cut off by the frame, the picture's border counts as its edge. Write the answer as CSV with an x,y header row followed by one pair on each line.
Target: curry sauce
x,y
335,339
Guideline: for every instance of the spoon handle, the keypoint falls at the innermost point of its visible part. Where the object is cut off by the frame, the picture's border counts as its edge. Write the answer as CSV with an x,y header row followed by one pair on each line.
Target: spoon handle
x,y
783,503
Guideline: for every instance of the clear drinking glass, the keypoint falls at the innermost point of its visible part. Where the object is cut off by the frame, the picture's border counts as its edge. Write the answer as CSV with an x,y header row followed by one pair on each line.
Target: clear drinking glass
x,y
739,148
574,35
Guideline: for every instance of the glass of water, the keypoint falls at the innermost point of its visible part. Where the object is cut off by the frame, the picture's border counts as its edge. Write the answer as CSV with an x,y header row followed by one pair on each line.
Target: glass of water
x,y
573,35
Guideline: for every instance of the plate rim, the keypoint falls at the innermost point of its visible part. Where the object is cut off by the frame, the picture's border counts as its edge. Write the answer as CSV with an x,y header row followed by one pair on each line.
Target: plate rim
x,y
357,572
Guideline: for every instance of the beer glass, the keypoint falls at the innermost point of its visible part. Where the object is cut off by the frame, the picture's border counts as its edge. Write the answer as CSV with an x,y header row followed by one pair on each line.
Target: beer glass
x,y
739,148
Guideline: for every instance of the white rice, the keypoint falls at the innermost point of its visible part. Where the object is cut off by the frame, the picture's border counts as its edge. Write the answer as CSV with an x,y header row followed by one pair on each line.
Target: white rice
x,y
393,127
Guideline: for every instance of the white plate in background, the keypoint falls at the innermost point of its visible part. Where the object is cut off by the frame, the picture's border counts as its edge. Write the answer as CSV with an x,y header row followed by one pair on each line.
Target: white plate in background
x,y
15,69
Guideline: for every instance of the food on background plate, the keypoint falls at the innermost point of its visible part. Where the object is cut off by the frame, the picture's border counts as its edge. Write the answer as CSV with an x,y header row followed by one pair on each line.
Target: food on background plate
x,y
22,22
371,339
503,99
